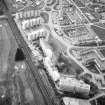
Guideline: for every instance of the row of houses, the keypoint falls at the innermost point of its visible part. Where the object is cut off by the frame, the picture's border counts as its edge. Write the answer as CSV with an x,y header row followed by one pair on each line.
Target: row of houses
x,y
33,34
27,14
29,23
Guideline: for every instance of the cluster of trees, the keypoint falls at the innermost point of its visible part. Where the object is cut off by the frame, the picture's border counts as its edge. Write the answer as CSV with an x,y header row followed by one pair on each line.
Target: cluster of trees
x,y
64,65
5,101
93,87
3,7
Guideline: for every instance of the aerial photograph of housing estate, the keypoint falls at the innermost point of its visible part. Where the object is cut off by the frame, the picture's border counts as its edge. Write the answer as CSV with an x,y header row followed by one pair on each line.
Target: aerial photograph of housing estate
x,y
52,52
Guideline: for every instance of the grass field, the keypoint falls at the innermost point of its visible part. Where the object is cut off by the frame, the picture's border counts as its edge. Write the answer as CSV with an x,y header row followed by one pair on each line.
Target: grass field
x,y
100,32
7,47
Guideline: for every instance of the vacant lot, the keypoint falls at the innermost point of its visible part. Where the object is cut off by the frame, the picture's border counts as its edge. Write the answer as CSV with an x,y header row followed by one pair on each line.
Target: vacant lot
x,y
99,31
7,47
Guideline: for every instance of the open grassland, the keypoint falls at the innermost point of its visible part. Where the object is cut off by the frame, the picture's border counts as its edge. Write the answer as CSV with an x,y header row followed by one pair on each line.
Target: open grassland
x,y
7,47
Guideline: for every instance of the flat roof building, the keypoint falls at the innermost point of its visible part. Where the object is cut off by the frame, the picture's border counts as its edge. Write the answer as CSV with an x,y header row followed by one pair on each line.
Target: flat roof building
x,y
74,101
27,14
29,23
68,84
35,34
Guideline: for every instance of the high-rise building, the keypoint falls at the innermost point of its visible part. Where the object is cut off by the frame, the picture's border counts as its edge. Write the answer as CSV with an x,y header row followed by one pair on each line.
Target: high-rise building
x,y
32,22
27,14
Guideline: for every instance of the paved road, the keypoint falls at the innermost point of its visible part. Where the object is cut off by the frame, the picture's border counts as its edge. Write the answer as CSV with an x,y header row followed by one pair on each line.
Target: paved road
x,y
79,10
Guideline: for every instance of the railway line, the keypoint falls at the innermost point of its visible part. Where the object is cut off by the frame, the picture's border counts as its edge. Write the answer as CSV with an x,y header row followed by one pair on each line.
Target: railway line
x,y
34,70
